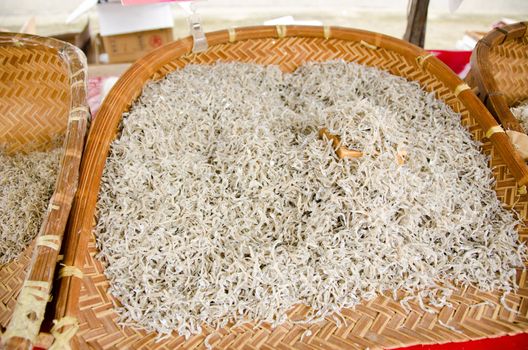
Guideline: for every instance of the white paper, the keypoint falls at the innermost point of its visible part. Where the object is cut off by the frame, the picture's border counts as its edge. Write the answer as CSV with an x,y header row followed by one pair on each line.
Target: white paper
x,y
289,20
117,19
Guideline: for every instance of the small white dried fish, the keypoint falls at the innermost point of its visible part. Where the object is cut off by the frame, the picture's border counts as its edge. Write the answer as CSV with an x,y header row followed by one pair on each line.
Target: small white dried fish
x,y
220,203
26,184
521,113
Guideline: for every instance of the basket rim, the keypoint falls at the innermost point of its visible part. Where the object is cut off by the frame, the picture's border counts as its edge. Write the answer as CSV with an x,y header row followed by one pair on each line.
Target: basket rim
x,y
128,88
483,74
44,257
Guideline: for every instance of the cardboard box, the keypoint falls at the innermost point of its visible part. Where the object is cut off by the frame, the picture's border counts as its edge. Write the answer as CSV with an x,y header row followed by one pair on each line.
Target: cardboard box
x,y
129,32
78,38
131,46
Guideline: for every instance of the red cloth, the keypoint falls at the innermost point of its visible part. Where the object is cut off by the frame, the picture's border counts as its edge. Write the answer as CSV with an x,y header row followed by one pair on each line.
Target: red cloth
x,y
458,61
94,93
516,342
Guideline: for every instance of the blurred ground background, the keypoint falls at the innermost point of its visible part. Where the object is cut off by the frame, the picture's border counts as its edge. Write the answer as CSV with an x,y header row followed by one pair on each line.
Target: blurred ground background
x,y
384,16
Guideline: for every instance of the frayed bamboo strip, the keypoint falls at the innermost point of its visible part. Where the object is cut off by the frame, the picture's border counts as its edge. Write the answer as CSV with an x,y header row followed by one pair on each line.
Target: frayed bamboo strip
x,y
62,338
31,303
50,241
460,88
66,271
493,130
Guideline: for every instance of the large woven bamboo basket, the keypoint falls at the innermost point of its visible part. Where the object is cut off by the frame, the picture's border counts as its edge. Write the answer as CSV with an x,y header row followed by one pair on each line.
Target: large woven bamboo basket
x,y
42,97
85,307
499,71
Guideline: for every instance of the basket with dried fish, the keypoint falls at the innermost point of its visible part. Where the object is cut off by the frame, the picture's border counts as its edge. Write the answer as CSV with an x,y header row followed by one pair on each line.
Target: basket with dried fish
x,y
293,187
43,119
499,74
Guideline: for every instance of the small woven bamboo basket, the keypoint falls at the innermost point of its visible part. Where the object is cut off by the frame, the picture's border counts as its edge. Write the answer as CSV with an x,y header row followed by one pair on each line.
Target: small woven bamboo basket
x,y
42,97
499,72
85,309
